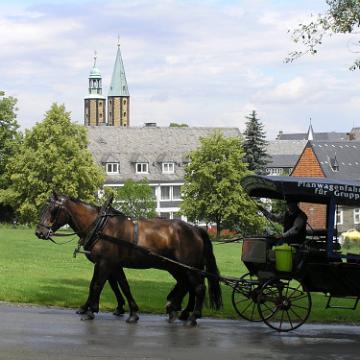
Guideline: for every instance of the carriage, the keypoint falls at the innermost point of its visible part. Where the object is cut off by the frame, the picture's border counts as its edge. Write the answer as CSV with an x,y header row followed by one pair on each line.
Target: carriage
x,y
277,289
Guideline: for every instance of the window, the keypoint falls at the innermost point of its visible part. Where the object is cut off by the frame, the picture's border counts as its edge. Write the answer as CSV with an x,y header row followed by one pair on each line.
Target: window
x,y
170,192
170,215
112,168
165,193
356,216
339,217
176,216
176,192
142,168
168,168
274,171
165,215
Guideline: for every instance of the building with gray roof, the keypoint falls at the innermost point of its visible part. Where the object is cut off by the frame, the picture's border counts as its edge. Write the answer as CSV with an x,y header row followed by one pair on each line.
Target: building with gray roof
x,y
338,159
283,155
158,154
331,159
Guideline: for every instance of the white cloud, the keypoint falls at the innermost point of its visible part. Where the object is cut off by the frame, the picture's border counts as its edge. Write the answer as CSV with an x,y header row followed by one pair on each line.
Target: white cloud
x,y
203,63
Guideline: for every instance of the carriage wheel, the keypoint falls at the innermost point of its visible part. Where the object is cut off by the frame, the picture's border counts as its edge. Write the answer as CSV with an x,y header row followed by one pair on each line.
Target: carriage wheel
x,y
244,297
284,305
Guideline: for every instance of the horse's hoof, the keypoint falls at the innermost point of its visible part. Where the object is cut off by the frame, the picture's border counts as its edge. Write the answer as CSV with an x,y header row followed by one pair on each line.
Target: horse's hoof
x,y
88,315
81,311
172,316
119,311
184,316
191,323
132,319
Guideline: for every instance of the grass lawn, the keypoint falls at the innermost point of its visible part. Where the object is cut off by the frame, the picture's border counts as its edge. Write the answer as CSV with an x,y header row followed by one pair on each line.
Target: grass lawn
x,y
40,272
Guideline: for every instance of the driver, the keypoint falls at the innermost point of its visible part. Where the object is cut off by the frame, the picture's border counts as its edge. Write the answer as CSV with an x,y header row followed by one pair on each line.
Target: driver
x,y
294,221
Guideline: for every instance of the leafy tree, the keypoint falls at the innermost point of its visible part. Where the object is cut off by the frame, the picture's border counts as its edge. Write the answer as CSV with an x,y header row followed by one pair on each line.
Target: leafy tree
x,y
212,190
135,199
52,156
342,16
9,142
9,136
255,144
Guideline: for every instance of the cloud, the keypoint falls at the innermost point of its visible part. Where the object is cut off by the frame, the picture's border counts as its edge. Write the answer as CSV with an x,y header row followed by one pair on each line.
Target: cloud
x,y
203,63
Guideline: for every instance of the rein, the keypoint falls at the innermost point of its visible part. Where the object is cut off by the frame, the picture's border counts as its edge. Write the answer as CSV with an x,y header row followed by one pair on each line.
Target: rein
x,y
61,235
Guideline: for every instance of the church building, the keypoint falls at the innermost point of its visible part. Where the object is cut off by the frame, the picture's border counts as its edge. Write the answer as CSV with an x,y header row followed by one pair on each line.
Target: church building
x,y
117,102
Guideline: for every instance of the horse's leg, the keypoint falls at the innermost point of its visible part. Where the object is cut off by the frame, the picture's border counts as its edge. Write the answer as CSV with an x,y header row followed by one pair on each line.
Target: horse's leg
x,y
198,283
176,295
124,285
100,275
113,283
120,300
85,307
184,316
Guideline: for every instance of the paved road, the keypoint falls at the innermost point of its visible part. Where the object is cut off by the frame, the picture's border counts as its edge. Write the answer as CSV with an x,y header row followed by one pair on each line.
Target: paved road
x,y
38,333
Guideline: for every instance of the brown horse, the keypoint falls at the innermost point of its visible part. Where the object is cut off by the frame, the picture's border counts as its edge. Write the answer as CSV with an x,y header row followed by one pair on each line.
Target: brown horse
x,y
121,242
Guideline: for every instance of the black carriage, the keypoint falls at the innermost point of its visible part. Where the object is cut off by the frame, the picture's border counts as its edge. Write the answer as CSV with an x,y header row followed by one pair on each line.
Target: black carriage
x,y
281,296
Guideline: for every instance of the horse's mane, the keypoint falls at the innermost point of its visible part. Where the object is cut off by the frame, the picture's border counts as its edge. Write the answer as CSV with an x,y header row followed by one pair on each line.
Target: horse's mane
x,y
117,212
78,201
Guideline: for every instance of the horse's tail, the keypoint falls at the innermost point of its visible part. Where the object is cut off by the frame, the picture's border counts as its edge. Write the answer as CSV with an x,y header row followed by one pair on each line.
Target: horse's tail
x,y
211,267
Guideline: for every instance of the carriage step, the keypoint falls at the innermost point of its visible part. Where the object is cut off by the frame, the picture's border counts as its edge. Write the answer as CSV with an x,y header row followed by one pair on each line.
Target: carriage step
x,y
351,307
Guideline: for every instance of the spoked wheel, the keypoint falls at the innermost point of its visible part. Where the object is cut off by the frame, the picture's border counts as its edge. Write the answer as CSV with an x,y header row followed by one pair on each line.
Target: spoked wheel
x,y
284,305
244,297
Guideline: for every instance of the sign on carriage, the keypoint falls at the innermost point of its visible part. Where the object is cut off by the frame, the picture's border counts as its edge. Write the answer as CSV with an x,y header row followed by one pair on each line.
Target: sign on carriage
x,y
351,192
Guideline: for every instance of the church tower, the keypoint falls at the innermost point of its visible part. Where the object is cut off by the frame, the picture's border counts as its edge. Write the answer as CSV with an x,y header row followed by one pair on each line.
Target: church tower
x,y
118,96
94,102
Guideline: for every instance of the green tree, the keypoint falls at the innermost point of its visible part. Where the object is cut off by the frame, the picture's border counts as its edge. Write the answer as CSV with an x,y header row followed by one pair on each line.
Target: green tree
x,y
212,190
9,142
342,16
9,136
52,156
135,199
255,144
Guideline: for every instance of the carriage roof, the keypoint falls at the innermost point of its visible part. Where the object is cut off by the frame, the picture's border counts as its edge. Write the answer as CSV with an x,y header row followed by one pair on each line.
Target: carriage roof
x,y
307,189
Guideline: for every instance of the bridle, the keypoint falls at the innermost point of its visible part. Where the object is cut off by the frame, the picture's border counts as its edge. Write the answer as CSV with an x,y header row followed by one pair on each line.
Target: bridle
x,y
58,207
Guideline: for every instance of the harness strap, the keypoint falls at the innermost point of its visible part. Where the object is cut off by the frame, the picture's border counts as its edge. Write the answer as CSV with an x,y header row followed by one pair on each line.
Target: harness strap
x,y
136,232
99,224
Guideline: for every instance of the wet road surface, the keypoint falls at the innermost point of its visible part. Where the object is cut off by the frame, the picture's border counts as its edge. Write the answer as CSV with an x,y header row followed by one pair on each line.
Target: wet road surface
x,y
37,333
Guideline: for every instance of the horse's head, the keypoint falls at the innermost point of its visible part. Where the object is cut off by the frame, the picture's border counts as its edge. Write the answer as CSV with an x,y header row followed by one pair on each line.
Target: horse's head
x,y
52,216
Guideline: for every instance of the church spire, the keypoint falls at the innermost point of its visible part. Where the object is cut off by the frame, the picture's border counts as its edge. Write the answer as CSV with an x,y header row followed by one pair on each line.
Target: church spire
x,y
94,102
118,96
118,85
310,133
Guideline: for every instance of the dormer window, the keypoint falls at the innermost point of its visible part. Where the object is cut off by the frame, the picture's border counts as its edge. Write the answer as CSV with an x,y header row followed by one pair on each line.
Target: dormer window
x,y
168,168
334,164
142,168
112,168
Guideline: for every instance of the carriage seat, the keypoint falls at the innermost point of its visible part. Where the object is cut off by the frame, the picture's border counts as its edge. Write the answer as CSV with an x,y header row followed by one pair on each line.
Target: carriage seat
x,y
316,239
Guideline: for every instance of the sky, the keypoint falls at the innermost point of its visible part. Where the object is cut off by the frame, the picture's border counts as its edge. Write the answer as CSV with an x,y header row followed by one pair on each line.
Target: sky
x,y
203,63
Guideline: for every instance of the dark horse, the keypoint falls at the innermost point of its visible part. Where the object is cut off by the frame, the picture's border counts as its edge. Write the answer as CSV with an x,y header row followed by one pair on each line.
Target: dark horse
x,y
121,244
